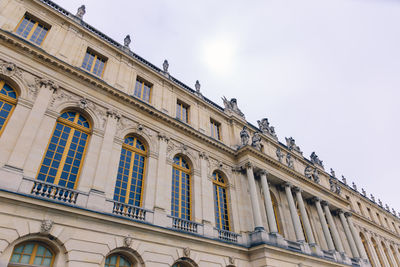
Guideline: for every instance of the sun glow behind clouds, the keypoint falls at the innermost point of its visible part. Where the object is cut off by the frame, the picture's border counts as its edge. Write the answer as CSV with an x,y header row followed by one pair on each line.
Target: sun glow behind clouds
x,y
218,55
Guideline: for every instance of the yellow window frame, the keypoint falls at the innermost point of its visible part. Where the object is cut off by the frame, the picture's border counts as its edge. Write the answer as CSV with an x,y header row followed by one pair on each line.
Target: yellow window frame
x,y
135,150
74,126
224,186
215,129
33,254
9,100
33,28
119,259
96,56
142,84
182,108
186,171
275,208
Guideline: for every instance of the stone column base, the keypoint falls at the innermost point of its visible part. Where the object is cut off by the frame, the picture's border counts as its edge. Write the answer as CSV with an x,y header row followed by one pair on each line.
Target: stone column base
x,y
277,239
316,250
305,248
259,237
344,258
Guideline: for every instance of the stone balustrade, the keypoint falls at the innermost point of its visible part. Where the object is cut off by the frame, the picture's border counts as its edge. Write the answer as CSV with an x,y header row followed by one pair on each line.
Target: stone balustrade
x,y
184,225
55,192
130,211
227,235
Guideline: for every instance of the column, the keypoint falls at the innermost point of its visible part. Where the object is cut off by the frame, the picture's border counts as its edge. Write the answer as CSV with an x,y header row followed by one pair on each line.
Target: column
x,y
350,238
25,140
258,226
163,188
335,234
324,224
303,213
207,191
268,203
356,237
294,214
101,173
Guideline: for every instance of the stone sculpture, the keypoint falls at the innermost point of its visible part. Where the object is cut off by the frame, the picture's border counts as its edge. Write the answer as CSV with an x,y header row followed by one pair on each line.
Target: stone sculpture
x,y
316,175
127,41
264,127
289,161
333,174
291,144
244,136
231,106
315,159
372,198
279,154
344,180
165,66
364,193
256,141
197,86
46,226
308,172
81,11
354,186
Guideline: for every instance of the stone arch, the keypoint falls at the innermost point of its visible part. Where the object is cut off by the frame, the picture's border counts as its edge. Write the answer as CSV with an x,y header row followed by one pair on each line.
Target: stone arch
x,y
96,122
183,150
142,136
184,262
50,241
16,84
366,248
130,254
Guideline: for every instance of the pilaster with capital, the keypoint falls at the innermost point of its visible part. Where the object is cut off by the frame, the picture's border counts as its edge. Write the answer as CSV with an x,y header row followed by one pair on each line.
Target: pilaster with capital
x,y
324,224
268,203
304,216
335,234
294,214
207,191
356,236
348,234
163,183
258,226
25,140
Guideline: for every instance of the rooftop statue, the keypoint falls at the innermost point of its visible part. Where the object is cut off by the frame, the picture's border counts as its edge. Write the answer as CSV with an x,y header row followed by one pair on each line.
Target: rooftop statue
x,y
197,87
244,136
291,144
354,186
333,174
364,193
256,141
315,159
81,11
165,65
372,198
344,180
231,106
264,127
127,41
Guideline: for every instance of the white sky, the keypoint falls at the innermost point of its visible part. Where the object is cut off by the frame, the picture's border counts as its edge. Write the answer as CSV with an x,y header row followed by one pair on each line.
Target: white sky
x,y
324,72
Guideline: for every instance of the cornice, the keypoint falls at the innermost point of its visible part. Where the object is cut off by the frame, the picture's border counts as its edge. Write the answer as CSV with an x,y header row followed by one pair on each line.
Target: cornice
x,y
373,224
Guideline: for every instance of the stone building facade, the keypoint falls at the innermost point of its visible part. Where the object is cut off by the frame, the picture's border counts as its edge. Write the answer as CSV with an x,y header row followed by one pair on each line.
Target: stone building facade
x,y
108,160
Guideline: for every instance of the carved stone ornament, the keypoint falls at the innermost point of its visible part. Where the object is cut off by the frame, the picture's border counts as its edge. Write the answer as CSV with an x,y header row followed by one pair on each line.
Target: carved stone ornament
x,y
372,197
8,68
244,136
49,84
364,193
231,260
354,186
46,226
163,136
127,41
83,103
333,174
316,176
291,144
231,106
380,202
308,172
256,141
203,155
387,207
394,212
315,159
344,180
197,86
165,66
113,113
186,252
279,154
81,11
289,161
128,241
264,127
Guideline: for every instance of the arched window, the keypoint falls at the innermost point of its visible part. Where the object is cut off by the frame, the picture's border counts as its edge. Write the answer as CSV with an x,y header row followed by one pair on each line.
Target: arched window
x,y
377,251
32,253
117,260
220,202
66,150
387,254
132,163
8,99
394,255
276,213
364,242
183,263
181,191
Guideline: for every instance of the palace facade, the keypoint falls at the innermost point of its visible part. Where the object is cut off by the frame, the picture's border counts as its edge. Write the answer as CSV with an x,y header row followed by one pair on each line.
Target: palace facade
x,y
108,160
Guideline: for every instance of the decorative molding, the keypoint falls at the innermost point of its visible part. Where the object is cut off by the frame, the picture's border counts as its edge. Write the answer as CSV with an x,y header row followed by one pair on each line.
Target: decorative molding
x,y
128,241
46,226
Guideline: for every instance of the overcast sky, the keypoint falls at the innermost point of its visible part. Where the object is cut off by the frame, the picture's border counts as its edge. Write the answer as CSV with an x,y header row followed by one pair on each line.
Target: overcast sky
x,y
324,72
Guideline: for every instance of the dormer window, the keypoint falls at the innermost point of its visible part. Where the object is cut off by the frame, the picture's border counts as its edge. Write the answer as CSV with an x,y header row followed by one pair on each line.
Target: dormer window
x,y
32,30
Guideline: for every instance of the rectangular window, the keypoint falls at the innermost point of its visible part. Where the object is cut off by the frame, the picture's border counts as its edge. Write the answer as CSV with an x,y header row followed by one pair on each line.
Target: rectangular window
x,y
215,129
370,214
142,90
182,112
94,63
379,218
32,30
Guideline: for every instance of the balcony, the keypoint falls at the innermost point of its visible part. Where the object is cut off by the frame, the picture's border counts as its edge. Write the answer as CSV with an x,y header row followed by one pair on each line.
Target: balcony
x,y
54,192
130,211
227,235
184,225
